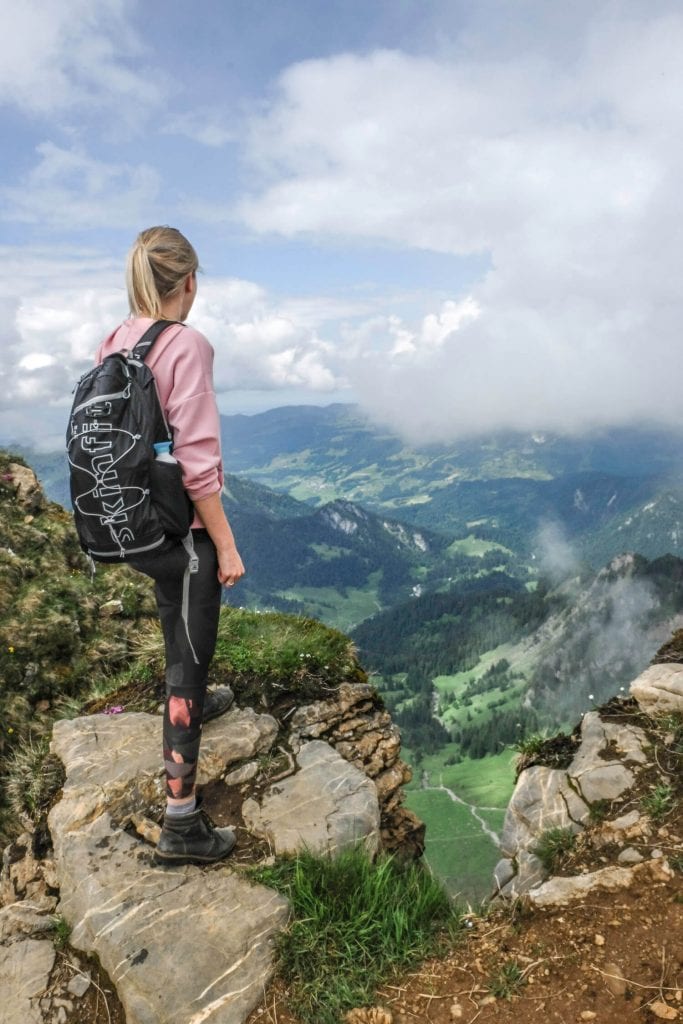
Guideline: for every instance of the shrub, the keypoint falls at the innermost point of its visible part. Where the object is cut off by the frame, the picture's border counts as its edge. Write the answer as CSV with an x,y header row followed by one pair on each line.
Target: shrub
x,y
353,922
552,847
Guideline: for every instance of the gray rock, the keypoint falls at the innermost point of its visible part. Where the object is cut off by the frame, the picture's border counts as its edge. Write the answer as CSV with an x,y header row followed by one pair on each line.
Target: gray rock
x,y
79,985
597,778
560,891
140,919
530,872
542,799
503,873
327,806
114,763
629,742
630,856
24,973
243,774
25,918
659,690
235,736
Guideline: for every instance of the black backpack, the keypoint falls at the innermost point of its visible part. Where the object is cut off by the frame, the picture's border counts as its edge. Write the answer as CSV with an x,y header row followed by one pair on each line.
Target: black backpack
x,y
126,503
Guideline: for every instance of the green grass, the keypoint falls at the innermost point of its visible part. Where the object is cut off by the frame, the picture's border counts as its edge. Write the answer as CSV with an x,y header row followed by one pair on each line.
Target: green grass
x,y
34,776
485,782
659,802
552,846
353,924
60,931
339,610
507,981
475,547
458,852
264,655
521,660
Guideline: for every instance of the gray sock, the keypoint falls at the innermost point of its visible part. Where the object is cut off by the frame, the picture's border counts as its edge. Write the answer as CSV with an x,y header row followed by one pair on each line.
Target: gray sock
x,y
175,810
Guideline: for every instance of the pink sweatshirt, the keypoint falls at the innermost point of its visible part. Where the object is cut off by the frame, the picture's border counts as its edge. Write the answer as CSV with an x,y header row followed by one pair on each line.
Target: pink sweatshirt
x,y
181,360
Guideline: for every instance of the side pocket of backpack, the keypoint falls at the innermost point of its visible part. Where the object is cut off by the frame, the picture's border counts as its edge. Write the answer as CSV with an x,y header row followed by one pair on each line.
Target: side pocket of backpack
x,y
170,500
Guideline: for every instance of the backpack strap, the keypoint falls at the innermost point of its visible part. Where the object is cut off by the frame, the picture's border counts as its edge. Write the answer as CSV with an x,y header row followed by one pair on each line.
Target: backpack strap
x,y
145,343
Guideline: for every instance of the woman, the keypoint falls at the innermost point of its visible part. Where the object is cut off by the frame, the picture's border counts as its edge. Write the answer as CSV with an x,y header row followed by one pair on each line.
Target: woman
x,y
161,277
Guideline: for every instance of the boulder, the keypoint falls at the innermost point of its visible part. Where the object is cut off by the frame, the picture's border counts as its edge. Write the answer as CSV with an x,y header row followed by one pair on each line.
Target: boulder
x,y
355,722
128,778
206,934
543,799
29,493
28,917
326,807
560,891
597,778
131,913
25,968
659,690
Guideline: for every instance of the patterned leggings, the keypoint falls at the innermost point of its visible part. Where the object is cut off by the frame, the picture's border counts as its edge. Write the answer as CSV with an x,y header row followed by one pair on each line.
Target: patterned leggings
x,y
189,650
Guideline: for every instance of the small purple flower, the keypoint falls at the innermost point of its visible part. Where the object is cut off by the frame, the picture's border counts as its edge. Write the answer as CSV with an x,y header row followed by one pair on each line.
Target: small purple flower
x,y
115,710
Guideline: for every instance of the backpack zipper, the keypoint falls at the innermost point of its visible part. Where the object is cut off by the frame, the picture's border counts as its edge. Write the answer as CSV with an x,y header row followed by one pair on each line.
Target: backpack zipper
x,y
103,398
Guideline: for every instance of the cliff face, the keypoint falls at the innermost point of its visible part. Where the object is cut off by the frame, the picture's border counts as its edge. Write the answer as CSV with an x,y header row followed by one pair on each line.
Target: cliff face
x,y
60,630
306,757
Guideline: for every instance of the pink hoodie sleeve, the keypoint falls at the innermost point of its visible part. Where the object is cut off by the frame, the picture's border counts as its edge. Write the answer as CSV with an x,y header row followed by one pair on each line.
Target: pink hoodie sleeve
x,y
193,416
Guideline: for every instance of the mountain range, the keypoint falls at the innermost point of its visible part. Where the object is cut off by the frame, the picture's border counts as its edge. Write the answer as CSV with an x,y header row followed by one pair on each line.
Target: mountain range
x,y
338,518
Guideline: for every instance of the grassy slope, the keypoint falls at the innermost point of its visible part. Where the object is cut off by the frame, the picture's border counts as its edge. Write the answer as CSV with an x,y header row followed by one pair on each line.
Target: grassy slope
x,y
458,850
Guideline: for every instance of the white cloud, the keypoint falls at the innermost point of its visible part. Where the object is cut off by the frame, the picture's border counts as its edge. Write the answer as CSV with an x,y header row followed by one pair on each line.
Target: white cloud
x,y
69,189
56,311
566,172
259,345
64,55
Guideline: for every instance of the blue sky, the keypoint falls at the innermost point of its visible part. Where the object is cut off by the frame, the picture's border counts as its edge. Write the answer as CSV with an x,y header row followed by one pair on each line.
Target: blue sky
x,y
465,216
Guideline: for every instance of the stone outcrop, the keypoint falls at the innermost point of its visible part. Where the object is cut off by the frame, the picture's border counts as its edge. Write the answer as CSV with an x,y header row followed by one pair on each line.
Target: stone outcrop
x,y
24,971
560,891
128,911
27,489
327,806
611,759
659,689
141,919
341,785
357,725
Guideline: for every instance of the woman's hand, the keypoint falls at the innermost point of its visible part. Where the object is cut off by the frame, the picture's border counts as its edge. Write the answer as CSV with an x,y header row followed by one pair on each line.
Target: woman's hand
x,y
210,511
230,567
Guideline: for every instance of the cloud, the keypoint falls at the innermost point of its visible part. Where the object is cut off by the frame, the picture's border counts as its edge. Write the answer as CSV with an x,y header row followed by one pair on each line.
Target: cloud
x,y
73,55
556,557
564,169
258,345
68,189
57,307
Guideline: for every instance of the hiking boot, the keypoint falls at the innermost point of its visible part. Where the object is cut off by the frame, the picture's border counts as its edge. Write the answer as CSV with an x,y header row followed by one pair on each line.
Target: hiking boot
x,y
192,839
217,702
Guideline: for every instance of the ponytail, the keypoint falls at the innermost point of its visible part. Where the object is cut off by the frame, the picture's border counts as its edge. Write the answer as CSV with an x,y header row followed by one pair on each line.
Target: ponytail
x,y
158,263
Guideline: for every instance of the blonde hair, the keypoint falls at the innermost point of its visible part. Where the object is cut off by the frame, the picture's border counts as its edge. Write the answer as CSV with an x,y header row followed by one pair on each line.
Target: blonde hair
x,y
158,263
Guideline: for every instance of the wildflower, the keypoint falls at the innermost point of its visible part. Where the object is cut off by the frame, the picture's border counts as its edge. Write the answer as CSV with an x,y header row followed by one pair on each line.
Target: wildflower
x,y
11,650
591,697
10,730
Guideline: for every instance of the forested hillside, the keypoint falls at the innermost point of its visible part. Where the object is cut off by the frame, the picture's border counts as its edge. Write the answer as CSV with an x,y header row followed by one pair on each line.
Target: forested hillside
x,y
490,662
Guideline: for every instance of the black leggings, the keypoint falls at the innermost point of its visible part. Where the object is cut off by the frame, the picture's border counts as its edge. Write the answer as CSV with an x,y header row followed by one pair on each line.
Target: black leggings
x,y
189,649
